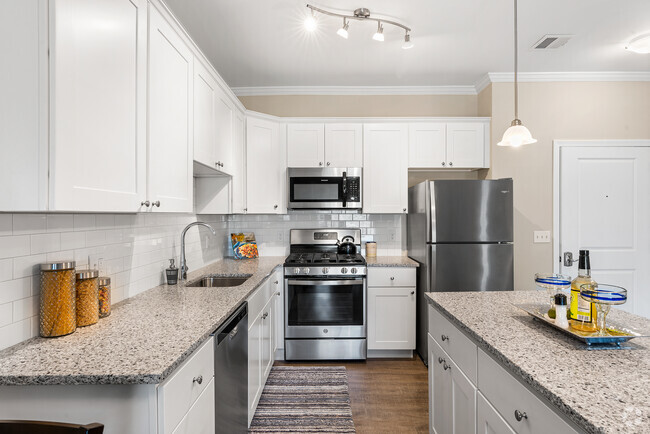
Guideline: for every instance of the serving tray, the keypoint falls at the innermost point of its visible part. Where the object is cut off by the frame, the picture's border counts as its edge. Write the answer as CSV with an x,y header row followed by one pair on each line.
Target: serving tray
x,y
618,333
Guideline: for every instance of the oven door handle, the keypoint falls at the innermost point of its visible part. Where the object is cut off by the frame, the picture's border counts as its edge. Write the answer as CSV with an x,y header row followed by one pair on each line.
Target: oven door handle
x,y
325,282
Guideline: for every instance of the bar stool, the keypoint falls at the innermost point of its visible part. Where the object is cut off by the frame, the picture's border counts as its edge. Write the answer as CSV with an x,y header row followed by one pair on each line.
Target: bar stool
x,y
39,427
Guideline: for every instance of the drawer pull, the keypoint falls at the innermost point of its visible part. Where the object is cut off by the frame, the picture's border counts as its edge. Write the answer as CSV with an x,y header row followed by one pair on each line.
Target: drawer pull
x,y
444,337
520,415
198,380
392,278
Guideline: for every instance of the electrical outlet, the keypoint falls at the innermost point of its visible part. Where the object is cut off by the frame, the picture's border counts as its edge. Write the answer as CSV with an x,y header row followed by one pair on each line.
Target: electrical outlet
x,y
542,236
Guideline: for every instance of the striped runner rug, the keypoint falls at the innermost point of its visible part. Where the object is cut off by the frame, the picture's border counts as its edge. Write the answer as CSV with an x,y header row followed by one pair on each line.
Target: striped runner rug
x,y
312,399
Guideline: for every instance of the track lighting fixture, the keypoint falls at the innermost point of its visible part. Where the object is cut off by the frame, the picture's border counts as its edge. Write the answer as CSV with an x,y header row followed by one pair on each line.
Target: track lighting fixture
x,y
343,31
379,35
360,14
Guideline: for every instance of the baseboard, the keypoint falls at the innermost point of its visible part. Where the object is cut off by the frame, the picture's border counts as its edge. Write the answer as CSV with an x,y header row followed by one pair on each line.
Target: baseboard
x,y
279,354
390,354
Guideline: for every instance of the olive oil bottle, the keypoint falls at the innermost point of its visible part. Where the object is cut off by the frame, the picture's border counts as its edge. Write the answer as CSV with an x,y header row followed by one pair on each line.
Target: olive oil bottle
x,y
581,312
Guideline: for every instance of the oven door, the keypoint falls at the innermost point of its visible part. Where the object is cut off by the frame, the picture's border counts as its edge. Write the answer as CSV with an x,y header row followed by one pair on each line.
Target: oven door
x,y
317,308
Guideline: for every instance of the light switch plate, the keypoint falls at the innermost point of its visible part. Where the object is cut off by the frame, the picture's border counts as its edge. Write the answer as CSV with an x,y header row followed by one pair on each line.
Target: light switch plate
x,y
542,236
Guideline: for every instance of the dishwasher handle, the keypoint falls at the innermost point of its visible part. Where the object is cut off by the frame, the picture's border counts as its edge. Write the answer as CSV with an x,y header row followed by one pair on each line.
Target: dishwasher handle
x,y
231,326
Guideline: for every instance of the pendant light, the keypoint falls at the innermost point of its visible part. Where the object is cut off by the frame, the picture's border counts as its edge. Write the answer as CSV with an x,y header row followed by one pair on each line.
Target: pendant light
x,y
517,135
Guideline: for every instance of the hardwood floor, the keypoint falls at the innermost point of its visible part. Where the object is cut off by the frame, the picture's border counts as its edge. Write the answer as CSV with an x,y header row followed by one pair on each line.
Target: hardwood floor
x,y
387,395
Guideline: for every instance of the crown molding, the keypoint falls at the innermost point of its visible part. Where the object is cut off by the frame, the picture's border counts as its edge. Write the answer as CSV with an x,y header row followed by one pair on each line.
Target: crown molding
x,y
508,77
354,90
482,83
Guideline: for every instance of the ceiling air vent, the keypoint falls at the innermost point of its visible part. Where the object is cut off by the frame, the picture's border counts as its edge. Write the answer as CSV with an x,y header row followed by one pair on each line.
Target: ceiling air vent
x,y
551,41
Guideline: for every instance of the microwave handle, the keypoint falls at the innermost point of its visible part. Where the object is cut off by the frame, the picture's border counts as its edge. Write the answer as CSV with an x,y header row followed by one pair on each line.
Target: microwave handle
x,y
345,189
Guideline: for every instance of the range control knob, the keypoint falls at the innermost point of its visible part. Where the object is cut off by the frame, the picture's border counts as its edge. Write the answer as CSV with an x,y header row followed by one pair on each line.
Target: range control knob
x,y
344,270
305,270
353,270
326,270
296,271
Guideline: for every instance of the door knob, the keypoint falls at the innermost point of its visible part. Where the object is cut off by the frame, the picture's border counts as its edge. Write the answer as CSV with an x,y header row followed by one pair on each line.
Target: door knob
x,y
145,203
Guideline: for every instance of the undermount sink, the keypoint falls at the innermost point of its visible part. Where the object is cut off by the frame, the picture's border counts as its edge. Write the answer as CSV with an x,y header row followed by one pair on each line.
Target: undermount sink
x,y
219,281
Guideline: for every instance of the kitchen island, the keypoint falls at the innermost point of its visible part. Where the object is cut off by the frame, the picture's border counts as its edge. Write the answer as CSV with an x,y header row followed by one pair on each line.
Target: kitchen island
x,y
592,390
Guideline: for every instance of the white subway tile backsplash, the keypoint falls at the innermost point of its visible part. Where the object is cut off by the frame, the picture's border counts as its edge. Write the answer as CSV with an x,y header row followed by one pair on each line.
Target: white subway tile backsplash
x,y
84,222
44,243
16,332
60,222
73,240
16,289
6,269
25,224
25,308
13,246
26,266
6,224
6,314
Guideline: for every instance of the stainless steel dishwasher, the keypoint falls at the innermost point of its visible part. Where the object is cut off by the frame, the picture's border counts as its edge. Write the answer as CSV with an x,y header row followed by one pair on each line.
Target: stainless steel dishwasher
x,y
231,373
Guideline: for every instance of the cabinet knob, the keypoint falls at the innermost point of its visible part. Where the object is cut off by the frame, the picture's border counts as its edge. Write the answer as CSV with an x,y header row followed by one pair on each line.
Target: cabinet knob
x,y
266,314
216,163
245,209
328,163
451,164
277,293
392,278
276,282
520,415
444,337
220,164
443,164
320,163
198,379
412,292
156,203
145,203
440,360
275,207
446,366
404,209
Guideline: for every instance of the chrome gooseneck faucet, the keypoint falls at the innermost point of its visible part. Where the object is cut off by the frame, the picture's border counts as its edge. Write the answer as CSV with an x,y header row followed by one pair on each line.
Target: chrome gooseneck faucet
x,y
183,270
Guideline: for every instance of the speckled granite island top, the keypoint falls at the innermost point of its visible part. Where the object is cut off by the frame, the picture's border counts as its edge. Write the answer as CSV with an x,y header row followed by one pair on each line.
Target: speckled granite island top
x,y
603,391
391,261
144,339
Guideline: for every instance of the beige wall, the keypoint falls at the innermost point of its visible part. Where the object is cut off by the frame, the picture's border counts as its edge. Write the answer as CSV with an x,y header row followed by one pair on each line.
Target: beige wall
x,y
362,105
556,111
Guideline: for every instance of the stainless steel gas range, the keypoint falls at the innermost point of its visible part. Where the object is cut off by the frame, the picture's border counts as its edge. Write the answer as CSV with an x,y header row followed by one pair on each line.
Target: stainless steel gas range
x,y
326,297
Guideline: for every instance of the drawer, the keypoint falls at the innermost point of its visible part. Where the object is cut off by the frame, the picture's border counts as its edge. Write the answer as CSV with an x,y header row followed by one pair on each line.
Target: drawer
x,y
177,394
201,418
391,276
454,342
508,395
258,299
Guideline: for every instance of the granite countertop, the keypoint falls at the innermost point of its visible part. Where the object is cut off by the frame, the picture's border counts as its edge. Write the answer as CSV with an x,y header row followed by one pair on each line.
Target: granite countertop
x,y
391,261
143,340
602,391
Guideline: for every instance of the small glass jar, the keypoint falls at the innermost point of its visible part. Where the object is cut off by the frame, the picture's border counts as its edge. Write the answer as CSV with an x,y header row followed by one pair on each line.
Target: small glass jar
x,y
57,312
104,297
87,297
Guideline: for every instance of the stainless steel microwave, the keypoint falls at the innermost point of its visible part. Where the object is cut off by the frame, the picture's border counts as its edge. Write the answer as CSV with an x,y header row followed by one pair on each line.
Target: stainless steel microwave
x,y
325,188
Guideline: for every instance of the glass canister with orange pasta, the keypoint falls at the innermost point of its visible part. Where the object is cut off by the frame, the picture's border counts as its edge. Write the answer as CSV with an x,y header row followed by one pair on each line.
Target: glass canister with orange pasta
x,y
87,297
104,297
57,312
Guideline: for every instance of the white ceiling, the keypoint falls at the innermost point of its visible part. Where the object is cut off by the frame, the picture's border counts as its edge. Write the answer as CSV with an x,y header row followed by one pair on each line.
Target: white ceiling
x,y
263,42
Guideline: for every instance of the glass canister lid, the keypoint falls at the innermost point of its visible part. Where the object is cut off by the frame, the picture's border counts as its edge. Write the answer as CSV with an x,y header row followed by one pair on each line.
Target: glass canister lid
x,y
104,281
87,274
57,266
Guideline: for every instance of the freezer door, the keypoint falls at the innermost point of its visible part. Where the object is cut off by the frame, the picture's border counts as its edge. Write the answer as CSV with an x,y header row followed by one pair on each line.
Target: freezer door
x,y
471,267
471,211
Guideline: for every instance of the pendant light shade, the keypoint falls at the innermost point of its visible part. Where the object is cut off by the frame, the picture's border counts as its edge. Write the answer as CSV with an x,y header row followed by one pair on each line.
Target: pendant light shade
x,y
517,135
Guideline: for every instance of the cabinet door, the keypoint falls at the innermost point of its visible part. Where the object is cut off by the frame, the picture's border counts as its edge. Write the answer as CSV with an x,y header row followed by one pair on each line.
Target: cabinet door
x,y
224,126
343,145
385,188
466,145
268,324
264,168
488,420
463,398
205,88
427,145
277,284
440,403
305,145
201,418
391,318
170,173
98,106
254,364
238,163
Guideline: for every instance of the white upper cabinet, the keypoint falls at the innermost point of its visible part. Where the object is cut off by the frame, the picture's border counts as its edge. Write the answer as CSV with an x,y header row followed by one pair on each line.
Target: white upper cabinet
x,y
385,168
466,145
205,127
224,126
343,145
428,145
98,106
171,78
265,168
238,184
305,145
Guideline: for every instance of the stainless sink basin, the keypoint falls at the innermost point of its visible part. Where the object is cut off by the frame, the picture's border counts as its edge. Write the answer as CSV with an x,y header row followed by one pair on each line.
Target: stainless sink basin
x,y
219,281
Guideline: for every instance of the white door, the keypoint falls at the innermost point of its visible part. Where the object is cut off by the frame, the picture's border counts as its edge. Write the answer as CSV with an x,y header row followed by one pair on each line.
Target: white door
x,y
205,132
440,402
238,184
264,168
391,313
98,105
343,145
604,207
305,145
428,145
465,145
385,166
224,125
170,173
488,420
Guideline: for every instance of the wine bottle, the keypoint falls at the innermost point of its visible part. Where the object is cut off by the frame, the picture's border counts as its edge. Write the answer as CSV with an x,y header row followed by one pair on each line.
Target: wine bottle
x,y
581,312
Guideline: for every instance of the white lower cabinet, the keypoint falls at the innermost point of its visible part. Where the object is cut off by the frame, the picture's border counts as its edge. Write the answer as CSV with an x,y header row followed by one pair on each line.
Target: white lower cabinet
x,y
278,292
488,420
200,419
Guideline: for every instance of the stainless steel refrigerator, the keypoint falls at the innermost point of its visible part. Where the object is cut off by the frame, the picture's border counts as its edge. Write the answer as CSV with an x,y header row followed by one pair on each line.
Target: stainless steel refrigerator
x,y
460,232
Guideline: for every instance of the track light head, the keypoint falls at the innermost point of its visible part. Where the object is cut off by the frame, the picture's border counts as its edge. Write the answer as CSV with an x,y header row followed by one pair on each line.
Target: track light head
x,y
310,22
379,35
407,41
343,31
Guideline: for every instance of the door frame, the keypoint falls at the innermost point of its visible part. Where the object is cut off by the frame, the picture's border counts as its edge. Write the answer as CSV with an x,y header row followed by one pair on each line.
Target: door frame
x,y
557,146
